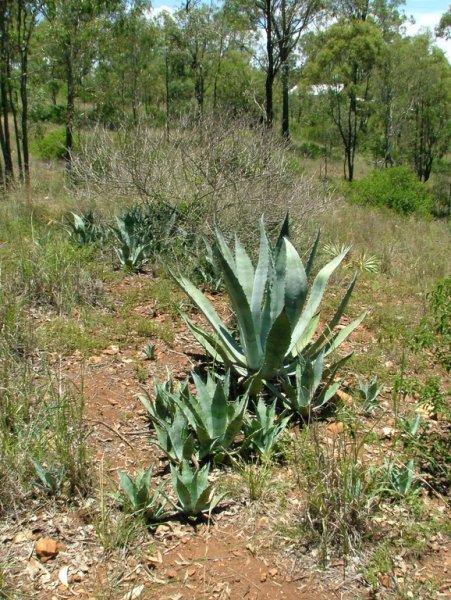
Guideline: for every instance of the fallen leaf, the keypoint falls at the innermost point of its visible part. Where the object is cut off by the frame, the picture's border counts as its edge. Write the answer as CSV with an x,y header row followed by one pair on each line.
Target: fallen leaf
x,y
34,568
63,575
134,593
111,350
155,560
23,536
385,580
344,397
388,432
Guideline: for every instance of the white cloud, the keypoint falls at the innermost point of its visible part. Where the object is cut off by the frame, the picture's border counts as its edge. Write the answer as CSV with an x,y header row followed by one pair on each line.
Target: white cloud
x,y
428,21
157,11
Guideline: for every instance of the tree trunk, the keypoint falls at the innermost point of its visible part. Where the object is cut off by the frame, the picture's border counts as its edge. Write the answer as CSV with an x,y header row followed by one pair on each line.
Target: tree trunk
x,y
4,62
70,108
270,71
17,133
285,101
24,100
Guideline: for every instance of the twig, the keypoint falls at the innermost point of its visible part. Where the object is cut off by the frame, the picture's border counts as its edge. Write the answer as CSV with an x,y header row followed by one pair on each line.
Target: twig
x,y
113,431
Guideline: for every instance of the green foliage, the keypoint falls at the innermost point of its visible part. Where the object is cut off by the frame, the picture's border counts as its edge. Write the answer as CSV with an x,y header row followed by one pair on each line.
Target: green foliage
x,y
215,421
339,489
43,439
170,423
397,188
435,330
277,320
399,479
143,231
133,251
51,145
369,393
263,429
83,229
194,494
139,497
50,478
202,425
314,385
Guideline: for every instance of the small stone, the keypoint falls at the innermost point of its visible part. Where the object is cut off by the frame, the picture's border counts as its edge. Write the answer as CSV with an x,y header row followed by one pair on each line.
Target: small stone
x,y
46,548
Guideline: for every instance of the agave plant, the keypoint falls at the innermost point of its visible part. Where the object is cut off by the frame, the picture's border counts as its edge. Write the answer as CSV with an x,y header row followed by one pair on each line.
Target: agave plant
x,y
262,431
83,229
194,494
369,393
214,419
139,496
133,252
277,316
200,426
314,385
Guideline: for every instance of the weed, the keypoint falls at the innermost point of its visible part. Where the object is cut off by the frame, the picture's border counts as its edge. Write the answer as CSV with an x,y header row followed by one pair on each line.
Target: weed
x,y
338,489
115,529
255,477
42,435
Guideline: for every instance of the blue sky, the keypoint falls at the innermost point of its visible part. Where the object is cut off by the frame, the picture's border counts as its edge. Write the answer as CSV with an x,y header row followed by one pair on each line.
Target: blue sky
x,y
426,13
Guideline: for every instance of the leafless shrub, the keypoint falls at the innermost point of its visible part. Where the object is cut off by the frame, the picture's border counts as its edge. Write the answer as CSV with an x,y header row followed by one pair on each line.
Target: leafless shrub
x,y
225,171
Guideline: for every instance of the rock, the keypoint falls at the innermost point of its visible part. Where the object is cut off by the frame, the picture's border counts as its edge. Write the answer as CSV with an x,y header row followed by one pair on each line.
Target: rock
x,y
46,548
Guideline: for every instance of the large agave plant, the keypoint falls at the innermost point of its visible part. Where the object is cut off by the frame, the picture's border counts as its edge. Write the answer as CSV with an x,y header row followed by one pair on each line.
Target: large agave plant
x,y
277,315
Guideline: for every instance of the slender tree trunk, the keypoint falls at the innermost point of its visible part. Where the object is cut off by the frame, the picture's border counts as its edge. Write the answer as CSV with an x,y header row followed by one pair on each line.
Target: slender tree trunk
x,y
24,100
17,133
166,84
70,108
4,64
270,71
285,101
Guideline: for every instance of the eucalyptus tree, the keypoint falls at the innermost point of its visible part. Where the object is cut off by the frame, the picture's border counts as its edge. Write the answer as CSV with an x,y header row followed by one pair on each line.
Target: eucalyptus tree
x,y
18,19
73,33
342,62
426,88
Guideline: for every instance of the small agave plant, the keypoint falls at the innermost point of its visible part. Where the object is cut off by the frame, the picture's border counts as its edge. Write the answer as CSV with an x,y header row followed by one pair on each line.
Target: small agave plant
x,y
133,251
194,494
276,312
197,426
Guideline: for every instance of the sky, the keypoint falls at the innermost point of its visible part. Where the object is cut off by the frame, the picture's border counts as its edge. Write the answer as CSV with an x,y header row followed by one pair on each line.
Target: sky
x,y
426,14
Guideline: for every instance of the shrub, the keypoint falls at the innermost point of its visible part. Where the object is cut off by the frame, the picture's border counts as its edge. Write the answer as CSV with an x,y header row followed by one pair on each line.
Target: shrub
x,y
397,188
51,146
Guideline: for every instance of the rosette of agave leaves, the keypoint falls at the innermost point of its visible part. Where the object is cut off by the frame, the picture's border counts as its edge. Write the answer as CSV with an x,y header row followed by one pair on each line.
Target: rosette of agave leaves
x,y
277,313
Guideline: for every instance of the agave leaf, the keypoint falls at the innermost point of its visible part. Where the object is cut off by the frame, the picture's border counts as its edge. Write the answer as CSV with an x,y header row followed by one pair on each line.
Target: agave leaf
x,y
284,231
211,315
181,488
244,270
261,277
312,255
222,248
128,486
277,284
277,344
304,339
235,418
317,292
335,319
344,333
240,304
295,283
